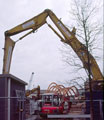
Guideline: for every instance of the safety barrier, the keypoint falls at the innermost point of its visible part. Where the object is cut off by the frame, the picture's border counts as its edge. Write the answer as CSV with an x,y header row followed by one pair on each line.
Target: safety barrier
x,y
80,109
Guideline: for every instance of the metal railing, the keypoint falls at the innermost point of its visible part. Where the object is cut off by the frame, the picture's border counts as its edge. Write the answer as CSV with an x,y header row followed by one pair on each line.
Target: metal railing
x,y
14,107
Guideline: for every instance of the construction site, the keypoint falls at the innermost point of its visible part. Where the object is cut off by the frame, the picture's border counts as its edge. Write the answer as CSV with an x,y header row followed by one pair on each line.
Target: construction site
x,y
56,102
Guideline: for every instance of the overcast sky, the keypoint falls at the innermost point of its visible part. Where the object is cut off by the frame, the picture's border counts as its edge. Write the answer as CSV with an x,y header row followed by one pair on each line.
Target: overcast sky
x,y
38,52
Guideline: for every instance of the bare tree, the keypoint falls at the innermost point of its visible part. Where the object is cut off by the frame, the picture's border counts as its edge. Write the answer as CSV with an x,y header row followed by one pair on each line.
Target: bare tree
x,y
88,22
89,30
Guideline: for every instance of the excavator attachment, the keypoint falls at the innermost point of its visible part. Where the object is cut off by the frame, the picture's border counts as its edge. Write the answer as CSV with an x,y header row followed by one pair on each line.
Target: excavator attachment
x,y
8,50
68,38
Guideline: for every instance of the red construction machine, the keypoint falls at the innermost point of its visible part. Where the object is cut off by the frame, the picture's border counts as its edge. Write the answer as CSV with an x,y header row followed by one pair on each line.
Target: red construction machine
x,y
52,103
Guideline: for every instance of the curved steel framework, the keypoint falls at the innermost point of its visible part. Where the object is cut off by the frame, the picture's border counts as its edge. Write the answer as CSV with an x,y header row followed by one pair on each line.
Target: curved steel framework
x,y
60,89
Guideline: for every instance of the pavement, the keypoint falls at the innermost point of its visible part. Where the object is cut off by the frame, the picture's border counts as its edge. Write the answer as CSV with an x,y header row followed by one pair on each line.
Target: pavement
x,y
33,117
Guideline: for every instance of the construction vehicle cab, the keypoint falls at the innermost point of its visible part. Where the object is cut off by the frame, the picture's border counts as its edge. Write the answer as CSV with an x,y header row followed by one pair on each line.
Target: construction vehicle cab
x,y
51,98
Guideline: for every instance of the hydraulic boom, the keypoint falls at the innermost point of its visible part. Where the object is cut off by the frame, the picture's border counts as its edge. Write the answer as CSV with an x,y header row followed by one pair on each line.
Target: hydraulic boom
x,y
68,37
